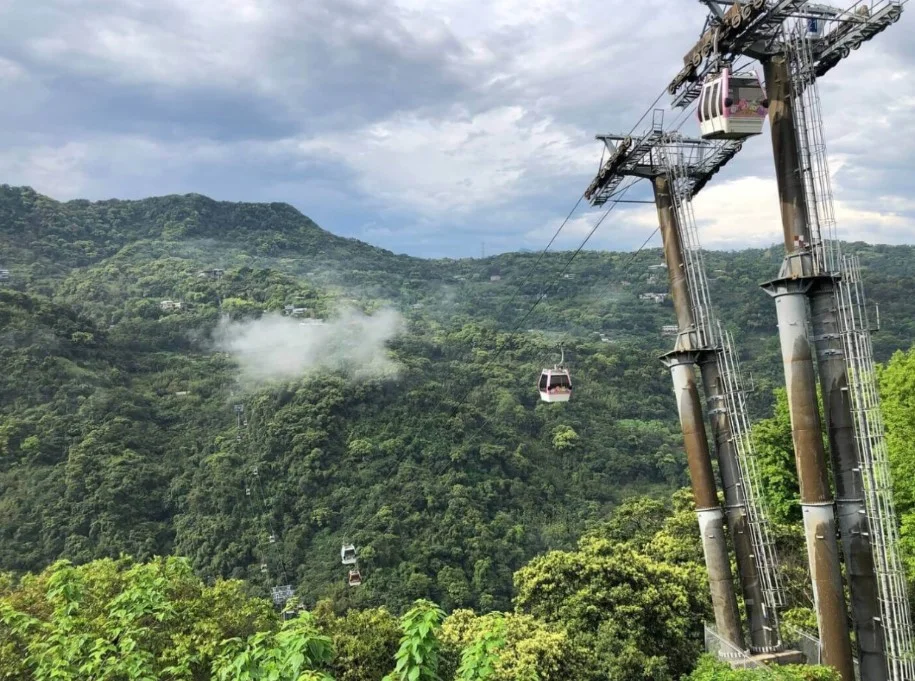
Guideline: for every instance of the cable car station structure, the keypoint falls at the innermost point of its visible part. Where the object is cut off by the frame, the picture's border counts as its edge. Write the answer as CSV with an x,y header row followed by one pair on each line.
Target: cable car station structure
x,y
796,42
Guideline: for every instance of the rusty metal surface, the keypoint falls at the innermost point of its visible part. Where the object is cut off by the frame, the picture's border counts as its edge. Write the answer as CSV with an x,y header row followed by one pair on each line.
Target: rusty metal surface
x,y
829,597
756,35
785,152
682,364
790,293
682,370
810,459
764,634
682,367
673,257
735,21
853,525
609,169
800,381
721,582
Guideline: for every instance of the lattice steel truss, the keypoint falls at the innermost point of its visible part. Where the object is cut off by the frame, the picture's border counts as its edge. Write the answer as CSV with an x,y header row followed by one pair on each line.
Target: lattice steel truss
x,y
645,156
281,594
753,28
873,459
758,515
811,139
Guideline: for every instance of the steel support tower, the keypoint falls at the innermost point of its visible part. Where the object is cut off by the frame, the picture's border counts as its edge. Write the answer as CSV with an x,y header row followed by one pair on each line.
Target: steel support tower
x,y
773,31
677,168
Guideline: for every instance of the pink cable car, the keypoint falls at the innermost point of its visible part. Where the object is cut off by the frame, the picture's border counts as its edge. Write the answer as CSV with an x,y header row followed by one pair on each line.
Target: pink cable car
x,y
732,106
555,384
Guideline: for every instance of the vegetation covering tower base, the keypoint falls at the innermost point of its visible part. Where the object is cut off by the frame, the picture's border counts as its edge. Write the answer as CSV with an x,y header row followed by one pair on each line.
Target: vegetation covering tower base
x,y
780,657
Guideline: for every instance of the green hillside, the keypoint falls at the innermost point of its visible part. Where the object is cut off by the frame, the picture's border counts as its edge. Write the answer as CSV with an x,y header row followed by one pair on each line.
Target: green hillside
x,y
117,429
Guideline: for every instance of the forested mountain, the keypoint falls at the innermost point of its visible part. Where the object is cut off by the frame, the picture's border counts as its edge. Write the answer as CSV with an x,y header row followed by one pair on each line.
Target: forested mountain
x,y
117,424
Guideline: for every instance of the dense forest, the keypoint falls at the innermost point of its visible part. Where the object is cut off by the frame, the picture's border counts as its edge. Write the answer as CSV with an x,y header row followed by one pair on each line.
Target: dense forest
x,y
233,385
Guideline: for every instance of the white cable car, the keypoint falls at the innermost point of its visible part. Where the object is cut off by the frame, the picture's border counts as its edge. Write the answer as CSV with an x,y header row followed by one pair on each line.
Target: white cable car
x,y
732,106
354,579
555,384
348,554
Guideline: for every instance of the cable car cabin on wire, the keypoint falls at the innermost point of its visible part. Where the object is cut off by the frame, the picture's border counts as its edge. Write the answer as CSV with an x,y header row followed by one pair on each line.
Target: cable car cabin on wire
x,y
555,385
732,106
348,554
354,578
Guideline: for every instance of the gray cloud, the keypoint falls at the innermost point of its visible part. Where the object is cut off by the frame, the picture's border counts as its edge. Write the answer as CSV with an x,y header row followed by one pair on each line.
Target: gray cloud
x,y
425,124
323,64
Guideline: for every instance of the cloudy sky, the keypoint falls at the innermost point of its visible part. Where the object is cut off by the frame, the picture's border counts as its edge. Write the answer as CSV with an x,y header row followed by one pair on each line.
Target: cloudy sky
x,y
423,126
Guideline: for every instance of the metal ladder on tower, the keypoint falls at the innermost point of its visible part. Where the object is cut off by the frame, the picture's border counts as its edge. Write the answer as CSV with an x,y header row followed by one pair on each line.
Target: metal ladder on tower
x,y
757,512
811,141
873,457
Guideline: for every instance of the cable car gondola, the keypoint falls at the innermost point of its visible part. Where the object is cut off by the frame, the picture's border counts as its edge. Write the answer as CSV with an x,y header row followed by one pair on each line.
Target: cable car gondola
x,y
555,384
732,106
348,554
354,579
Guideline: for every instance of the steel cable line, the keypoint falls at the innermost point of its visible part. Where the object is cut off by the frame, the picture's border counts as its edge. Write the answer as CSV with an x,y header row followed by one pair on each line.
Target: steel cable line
x,y
533,267
249,492
504,346
679,121
273,535
253,489
486,419
618,195
568,217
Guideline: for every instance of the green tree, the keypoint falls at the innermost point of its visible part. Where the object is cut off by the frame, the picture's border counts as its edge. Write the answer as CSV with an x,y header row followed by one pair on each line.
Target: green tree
x,y
897,393
512,647
121,620
641,616
479,658
364,641
294,653
418,655
775,449
564,438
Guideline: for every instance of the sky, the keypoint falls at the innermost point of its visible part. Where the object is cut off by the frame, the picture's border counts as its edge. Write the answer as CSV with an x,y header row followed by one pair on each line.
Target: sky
x,y
436,128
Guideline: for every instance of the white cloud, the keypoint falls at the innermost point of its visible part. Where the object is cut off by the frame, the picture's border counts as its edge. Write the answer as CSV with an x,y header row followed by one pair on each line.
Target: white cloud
x,y
278,348
460,164
172,43
60,170
745,212
10,71
99,166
